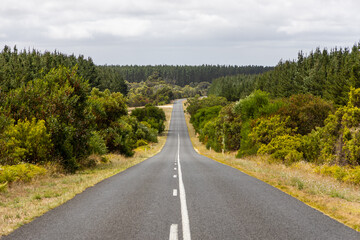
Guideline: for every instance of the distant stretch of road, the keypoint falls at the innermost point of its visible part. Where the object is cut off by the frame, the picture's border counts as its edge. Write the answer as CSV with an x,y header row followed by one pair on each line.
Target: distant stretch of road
x,y
179,194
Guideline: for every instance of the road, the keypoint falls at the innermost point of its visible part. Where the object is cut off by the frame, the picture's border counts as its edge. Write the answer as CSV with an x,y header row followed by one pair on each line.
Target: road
x,y
179,194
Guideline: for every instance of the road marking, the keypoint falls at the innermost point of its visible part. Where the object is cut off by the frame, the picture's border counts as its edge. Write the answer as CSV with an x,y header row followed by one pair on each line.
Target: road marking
x,y
175,176
173,232
174,192
184,211
175,168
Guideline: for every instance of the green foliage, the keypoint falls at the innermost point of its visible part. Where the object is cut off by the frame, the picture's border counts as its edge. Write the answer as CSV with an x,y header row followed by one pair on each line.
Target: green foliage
x,y
229,124
141,142
211,137
284,147
310,146
120,136
341,173
196,103
20,67
151,114
233,88
21,172
266,129
106,107
249,107
340,137
146,132
97,144
204,115
220,131
60,99
327,74
306,112
246,145
156,91
25,142
184,75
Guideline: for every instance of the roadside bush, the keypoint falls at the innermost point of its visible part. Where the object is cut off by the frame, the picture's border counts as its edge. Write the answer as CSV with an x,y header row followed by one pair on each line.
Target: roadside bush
x,y
22,172
306,112
310,146
97,144
340,137
353,176
59,98
203,115
341,173
26,142
285,148
211,137
119,137
247,147
249,107
196,103
266,129
141,142
144,131
151,114
106,107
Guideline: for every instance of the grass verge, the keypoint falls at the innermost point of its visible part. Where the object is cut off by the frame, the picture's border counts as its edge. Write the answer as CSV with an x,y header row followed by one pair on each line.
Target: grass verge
x,y
336,199
22,202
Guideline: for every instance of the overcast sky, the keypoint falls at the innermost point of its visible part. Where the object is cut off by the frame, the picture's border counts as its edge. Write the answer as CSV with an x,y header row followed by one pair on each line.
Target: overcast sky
x,y
192,32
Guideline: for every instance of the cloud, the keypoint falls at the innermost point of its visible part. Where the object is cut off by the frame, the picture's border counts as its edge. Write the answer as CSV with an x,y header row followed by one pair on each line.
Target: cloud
x,y
254,26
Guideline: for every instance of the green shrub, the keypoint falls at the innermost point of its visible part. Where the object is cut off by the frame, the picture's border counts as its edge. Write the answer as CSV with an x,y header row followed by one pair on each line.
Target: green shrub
x,y
106,107
26,142
266,129
120,137
59,98
204,115
247,147
306,112
97,144
310,146
21,172
141,142
340,137
144,131
283,147
211,137
249,107
353,176
151,114
194,104
341,173
3,186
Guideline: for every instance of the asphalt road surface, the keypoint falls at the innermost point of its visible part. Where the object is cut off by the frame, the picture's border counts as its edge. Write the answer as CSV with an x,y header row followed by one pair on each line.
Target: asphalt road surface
x,y
179,194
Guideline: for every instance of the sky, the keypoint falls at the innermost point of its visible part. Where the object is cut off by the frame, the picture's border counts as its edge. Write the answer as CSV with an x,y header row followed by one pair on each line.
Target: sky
x,y
180,32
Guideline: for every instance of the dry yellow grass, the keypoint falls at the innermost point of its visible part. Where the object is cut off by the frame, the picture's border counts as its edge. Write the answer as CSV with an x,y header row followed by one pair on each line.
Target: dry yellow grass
x,y
336,199
25,201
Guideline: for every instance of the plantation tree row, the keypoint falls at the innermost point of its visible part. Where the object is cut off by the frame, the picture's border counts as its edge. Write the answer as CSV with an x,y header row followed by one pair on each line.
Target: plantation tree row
x,y
328,74
182,75
19,67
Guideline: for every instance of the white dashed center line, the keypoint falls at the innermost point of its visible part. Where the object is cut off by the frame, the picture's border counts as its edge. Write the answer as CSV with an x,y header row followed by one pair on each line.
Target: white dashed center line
x,y
173,232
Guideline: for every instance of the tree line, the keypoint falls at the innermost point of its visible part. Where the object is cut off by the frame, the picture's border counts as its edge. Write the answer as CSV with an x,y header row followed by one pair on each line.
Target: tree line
x,y
19,67
182,75
323,73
